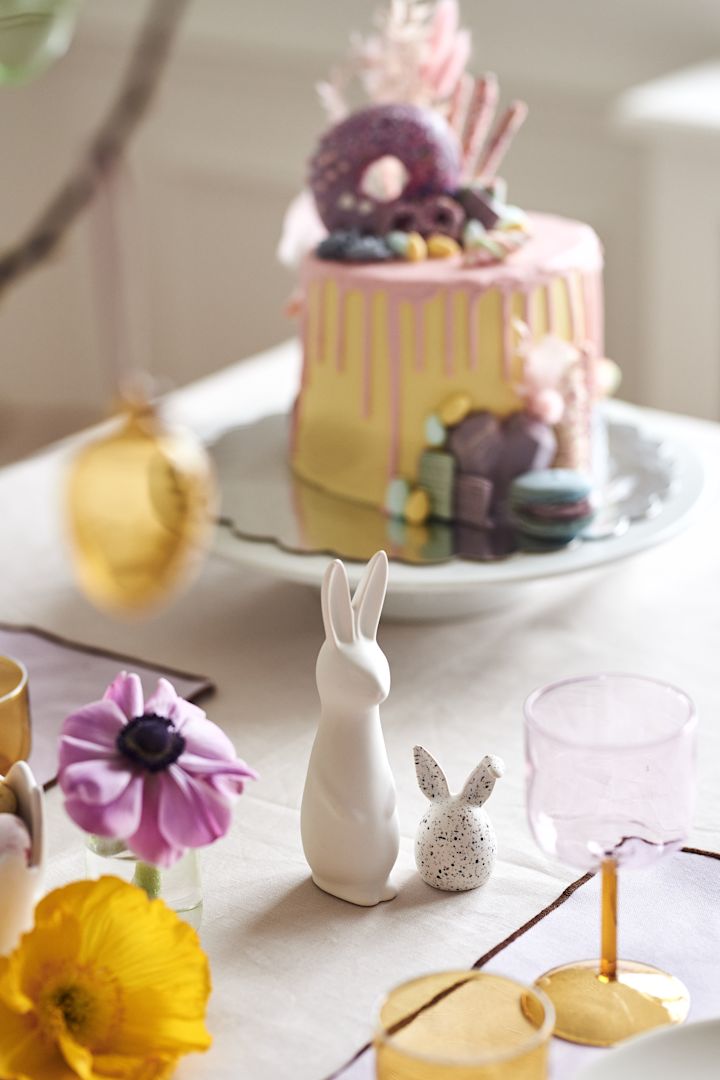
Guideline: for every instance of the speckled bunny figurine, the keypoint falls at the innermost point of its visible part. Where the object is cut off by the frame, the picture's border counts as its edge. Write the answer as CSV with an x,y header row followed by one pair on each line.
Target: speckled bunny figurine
x,y
348,821
455,844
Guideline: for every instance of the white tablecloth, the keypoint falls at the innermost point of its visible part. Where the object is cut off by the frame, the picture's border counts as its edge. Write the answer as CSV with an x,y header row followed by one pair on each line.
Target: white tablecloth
x,y
296,973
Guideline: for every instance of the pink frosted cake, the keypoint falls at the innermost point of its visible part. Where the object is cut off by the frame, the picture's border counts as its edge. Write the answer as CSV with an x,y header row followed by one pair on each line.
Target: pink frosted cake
x,y
450,340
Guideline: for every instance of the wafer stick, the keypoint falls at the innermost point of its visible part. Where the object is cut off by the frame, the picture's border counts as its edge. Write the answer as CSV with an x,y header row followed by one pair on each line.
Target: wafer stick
x,y
480,117
499,144
460,103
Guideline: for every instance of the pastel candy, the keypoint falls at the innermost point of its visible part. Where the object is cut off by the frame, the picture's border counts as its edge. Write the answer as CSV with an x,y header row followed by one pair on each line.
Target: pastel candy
x,y
349,246
498,189
559,532
437,475
416,249
476,443
551,486
442,247
417,507
551,505
561,511
398,241
435,433
608,377
492,246
473,499
455,408
396,496
513,217
473,233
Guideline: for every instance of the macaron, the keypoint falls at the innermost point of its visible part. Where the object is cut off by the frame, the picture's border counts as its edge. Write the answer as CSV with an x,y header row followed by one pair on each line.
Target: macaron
x,y
551,505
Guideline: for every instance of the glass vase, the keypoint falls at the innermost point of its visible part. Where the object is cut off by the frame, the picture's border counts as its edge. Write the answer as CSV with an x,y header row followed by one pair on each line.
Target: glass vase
x,y
34,35
179,887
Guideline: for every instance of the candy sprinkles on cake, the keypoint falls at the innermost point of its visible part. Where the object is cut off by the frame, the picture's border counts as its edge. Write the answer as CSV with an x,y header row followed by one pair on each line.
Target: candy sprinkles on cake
x,y
418,170
452,341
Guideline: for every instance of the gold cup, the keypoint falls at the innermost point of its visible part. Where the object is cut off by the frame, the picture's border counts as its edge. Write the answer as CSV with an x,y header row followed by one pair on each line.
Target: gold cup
x,y
464,1025
14,713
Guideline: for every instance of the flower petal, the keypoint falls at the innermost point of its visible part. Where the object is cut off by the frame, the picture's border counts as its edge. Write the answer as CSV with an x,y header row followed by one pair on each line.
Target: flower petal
x,y
166,702
207,740
153,958
127,693
73,749
147,841
23,1054
191,813
97,782
119,818
163,701
205,767
123,1067
98,723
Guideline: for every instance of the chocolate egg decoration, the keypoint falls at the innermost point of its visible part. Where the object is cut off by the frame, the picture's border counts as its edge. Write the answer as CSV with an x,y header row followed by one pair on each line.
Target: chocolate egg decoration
x,y
420,139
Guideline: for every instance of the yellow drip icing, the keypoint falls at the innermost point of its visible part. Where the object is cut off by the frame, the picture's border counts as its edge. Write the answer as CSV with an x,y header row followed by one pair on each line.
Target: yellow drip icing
x,y
354,423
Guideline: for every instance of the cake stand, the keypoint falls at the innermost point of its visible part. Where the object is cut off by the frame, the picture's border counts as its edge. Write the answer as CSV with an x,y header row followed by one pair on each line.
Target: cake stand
x,y
661,479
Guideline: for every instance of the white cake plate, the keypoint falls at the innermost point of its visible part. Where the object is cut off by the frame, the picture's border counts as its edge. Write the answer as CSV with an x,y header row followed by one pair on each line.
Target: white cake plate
x,y
691,1051
461,587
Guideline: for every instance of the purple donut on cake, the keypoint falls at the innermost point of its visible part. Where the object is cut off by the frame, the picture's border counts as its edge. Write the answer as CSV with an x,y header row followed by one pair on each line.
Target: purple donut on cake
x,y
418,138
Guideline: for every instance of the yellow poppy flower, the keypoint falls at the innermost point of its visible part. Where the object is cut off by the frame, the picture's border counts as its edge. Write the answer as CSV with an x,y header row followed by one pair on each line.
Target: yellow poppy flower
x,y
108,984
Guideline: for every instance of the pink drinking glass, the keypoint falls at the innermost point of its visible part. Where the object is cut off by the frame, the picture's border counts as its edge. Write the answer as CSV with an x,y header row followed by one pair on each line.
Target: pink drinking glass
x,y
610,765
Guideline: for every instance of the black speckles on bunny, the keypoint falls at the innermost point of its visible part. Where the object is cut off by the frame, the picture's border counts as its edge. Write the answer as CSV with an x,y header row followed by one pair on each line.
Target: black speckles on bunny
x,y
455,847
455,844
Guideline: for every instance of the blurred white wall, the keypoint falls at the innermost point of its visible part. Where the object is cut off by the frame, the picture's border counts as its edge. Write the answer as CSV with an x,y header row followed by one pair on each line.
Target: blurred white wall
x,y
224,151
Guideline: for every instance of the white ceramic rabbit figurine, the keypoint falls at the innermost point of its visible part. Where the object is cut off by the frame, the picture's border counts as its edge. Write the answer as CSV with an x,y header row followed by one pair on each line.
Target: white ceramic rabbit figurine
x,y
455,844
349,821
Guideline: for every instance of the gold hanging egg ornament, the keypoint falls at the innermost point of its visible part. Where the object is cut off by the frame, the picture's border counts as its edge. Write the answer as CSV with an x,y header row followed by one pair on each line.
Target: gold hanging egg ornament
x,y
141,504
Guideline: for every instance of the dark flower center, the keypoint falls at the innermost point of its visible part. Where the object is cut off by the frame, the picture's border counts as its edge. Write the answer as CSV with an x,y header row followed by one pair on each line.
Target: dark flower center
x,y
75,1005
151,741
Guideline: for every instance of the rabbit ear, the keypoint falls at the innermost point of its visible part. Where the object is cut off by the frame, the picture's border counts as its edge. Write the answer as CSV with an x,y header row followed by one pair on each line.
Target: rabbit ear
x,y
430,776
370,595
479,784
336,609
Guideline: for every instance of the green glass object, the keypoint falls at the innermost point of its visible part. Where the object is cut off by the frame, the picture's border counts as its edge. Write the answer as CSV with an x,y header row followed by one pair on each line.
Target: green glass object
x,y
33,34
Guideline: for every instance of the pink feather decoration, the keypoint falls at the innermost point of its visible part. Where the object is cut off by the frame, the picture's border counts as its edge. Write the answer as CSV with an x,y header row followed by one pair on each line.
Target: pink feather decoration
x,y
449,70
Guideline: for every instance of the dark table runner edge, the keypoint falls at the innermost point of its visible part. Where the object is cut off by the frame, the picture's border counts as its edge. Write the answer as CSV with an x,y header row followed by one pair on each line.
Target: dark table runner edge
x,y
207,686
496,949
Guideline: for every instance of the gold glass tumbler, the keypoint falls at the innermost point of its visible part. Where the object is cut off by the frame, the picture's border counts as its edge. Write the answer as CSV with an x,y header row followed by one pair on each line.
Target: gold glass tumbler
x,y
464,1025
14,713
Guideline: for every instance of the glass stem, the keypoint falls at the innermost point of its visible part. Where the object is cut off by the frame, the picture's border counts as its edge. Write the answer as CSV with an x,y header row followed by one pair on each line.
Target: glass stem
x,y
608,931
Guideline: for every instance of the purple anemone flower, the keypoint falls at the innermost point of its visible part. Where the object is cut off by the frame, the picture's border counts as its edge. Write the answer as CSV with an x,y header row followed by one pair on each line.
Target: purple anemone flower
x,y
157,774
